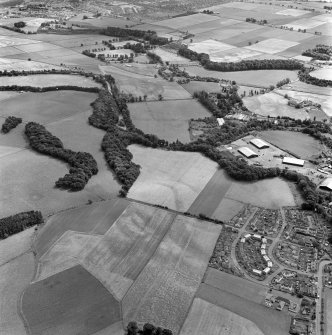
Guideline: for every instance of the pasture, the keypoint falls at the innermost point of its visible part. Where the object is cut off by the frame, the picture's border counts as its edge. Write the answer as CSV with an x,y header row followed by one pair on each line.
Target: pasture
x,y
259,78
304,24
167,56
52,305
47,80
300,144
196,86
47,107
169,178
206,318
302,87
273,105
269,321
163,292
14,277
168,120
209,47
272,46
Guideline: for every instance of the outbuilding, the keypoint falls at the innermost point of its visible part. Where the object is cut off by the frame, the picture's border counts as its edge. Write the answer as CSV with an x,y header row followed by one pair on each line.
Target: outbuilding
x,y
245,151
293,161
260,144
326,184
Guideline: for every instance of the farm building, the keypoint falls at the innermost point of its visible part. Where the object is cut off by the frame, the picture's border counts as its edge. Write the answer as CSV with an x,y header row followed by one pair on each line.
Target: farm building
x,y
260,144
257,272
267,270
293,161
247,152
220,121
326,184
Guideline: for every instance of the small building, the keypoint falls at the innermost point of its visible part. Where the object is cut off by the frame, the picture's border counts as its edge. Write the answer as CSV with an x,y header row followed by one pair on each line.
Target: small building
x,y
269,264
293,161
267,270
260,144
266,258
263,252
258,237
257,272
264,240
281,305
243,240
263,246
247,235
245,151
220,121
326,184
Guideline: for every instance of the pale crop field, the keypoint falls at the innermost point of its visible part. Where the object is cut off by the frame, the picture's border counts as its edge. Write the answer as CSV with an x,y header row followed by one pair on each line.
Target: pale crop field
x,y
307,88
206,318
169,178
163,292
273,105
38,47
233,55
272,46
210,47
25,65
292,12
325,73
6,41
167,56
14,277
46,80
304,24
15,245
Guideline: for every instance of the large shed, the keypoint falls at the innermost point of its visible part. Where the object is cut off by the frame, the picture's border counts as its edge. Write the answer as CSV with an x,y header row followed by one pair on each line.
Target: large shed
x,y
326,184
293,161
258,143
245,151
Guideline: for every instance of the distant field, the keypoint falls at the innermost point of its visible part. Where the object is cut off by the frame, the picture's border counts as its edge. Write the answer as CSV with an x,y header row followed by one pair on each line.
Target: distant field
x,y
305,24
25,65
325,73
273,105
14,277
209,319
300,144
169,178
167,56
269,321
53,306
163,292
254,78
47,107
46,80
134,70
196,86
307,88
16,245
168,120
272,45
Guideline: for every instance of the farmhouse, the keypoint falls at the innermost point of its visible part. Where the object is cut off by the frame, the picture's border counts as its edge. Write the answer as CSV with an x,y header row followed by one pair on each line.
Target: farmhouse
x,y
293,161
326,184
260,144
245,151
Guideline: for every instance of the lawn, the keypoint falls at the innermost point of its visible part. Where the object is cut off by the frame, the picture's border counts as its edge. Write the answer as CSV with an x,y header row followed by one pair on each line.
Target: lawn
x,y
206,318
47,107
14,277
257,78
300,144
273,105
168,120
168,178
163,292
47,80
70,302
269,321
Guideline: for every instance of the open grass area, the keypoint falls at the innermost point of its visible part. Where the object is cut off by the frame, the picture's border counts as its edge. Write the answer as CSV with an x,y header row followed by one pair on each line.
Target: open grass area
x,y
96,218
47,107
16,245
302,87
69,302
46,80
196,86
168,120
273,105
325,73
206,318
269,321
257,78
168,178
14,277
328,302
300,144
163,292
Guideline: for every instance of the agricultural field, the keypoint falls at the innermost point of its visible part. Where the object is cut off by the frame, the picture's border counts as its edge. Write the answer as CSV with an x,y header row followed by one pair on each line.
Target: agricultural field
x,y
328,302
51,305
134,70
169,178
272,46
168,120
151,87
298,143
196,86
259,78
322,74
22,270
163,292
47,80
167,56
302,87
209,319
273,105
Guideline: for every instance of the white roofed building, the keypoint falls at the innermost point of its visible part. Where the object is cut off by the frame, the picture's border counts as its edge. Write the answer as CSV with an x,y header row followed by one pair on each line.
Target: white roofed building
x,y
220,121
326,184
260,144
293,161
245,151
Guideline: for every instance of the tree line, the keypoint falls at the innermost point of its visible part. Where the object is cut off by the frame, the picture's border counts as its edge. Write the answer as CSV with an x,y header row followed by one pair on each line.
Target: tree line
x,y
243,65
82,165
146,35
148,329
154,58
49,88
304,75
321,52
10,123
16,223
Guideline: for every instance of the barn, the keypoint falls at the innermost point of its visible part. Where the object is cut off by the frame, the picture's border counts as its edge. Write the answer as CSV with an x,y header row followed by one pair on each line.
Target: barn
x,y
293,161
245,151
326,184
258,143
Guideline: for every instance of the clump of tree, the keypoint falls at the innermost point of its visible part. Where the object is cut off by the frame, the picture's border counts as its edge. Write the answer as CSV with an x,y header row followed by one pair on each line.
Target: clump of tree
x,y
146,35
16,223
10,123
304,75
89,53
20,24
244,65
82,165
154,58
148,329
253,20
283,82
320,52
18,88
138,48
